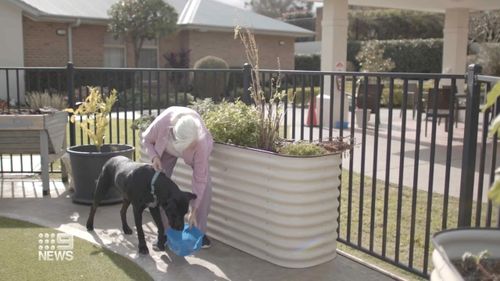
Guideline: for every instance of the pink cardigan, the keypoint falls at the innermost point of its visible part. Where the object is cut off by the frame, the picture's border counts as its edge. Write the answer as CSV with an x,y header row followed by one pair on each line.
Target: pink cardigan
x,y
155,140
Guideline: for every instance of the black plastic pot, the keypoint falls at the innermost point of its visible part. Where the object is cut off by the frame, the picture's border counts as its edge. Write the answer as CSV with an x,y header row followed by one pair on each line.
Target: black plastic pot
x,y
86,165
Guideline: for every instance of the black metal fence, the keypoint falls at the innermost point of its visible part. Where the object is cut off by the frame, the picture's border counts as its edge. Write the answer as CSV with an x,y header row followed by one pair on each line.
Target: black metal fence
x,y
416,168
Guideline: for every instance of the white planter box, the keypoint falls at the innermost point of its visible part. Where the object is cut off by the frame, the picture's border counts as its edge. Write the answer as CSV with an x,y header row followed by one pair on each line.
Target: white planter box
x,y
452,244
278,208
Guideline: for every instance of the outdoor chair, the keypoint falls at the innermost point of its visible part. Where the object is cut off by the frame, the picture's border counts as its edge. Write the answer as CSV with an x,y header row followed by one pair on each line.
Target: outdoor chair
x,y
372,98
412,97
442,106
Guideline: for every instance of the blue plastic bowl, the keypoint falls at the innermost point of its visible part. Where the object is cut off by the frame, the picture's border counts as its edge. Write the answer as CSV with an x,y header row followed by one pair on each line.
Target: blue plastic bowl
x,y
185,242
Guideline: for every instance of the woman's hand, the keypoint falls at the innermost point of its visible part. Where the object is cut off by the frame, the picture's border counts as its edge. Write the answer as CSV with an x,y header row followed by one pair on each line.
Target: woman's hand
x,y
192,218
157,164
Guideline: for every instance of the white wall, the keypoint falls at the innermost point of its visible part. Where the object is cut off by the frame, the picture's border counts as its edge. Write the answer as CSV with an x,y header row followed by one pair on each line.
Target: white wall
x,y
11,50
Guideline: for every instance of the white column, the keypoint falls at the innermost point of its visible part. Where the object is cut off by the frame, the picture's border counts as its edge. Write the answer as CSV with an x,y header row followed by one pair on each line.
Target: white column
x,y
333,51
456,29
11,50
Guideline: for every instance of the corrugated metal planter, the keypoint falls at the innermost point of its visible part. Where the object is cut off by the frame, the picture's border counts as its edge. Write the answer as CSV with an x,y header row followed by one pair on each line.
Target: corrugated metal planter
x,y
42,134
279,208
452,244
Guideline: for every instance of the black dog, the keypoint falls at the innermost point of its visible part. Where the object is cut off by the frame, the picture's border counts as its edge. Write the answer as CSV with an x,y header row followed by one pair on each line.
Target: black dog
x,y
134,181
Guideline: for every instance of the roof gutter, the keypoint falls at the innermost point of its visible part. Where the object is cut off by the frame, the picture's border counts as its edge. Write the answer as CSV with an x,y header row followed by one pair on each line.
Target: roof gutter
x,y
70,38
205,28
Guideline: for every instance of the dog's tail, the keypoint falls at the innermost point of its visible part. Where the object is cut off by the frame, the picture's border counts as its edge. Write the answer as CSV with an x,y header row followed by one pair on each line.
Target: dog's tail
x,y
103,185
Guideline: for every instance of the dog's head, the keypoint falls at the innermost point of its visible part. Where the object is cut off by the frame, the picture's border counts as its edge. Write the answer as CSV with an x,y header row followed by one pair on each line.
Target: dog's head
x,y
176,208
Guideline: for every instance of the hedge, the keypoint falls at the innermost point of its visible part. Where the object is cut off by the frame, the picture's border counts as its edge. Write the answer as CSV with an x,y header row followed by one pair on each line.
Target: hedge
x,y
384,24
410,55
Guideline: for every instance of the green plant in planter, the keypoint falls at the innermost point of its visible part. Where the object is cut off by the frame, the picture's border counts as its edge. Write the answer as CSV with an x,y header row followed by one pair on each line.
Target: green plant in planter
x,y
491,98
143,122
302,149
270,109
235,123
95,110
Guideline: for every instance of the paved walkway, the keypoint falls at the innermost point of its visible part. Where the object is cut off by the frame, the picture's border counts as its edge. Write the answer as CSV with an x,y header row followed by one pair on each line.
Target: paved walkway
x,y
22,199
409,152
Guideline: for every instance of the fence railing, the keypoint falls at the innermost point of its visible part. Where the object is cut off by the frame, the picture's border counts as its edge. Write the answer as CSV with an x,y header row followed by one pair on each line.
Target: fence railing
x,y
417,167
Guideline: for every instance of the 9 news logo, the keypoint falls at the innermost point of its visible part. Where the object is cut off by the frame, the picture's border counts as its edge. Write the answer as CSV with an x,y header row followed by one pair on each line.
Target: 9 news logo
x,y
55,247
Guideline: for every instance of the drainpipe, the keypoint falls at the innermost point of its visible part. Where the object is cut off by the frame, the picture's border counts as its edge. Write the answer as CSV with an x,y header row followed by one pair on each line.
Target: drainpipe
x,y
70,38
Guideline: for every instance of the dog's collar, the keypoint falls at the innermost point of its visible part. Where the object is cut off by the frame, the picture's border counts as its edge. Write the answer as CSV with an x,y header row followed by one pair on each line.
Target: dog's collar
x,y
155,199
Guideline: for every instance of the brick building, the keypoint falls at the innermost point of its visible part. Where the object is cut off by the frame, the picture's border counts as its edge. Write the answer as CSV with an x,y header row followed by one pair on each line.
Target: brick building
x,y
57,31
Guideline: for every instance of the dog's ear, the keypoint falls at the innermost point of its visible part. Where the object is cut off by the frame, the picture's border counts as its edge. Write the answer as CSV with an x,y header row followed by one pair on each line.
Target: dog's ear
x,y
190,196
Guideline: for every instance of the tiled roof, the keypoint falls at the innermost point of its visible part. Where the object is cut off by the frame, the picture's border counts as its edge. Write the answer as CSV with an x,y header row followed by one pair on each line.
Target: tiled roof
x,y
193,14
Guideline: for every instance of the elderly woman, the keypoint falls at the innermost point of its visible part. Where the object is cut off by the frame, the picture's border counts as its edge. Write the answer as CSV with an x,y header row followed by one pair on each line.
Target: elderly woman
x,y
180,132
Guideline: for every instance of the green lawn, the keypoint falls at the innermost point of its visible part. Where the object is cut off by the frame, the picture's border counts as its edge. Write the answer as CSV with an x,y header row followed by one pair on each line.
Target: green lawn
x,y
405,223
19,256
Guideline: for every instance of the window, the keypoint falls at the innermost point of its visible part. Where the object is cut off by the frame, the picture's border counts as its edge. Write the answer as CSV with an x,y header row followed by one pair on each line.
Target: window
x,y
149,54
114,51
148,58
114,57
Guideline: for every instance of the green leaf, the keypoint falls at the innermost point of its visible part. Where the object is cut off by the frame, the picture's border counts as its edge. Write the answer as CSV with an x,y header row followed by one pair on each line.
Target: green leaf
x,y
494,193
491,97
494,127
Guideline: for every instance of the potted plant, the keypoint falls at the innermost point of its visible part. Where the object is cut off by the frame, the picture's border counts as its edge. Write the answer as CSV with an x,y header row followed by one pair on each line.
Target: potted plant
x,y
39,128
266,201
87,160
471,254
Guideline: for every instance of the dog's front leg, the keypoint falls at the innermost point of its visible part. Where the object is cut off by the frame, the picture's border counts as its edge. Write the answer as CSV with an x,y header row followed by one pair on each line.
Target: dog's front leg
x,y
155,213
143,248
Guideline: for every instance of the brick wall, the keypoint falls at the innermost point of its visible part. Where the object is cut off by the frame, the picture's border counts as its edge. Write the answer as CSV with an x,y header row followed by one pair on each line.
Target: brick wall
x,y
88,45
173,43
42,46
222,44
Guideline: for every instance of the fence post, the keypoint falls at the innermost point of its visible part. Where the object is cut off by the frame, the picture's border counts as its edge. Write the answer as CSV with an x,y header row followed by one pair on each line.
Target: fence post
x,y
70,71
470,144
247,78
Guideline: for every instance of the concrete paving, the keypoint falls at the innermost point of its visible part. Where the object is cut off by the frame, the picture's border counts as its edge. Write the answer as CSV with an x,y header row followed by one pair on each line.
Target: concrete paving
x,y
408,153
22,199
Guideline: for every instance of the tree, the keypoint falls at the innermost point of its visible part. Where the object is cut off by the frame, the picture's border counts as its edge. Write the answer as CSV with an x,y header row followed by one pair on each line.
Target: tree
x,y
276,8
141,20
484,27
371,58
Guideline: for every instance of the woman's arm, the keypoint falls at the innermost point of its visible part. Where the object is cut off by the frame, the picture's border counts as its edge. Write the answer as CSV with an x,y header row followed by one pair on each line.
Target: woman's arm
x,y
200,173
149,138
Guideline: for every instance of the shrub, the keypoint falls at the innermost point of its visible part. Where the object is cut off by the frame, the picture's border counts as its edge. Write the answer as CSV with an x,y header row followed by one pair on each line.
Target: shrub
x,y
308,62
301,97
409,55
302,149
210,84
203,106
384,24
397,99
45,101
489,58
313,62
143,122
235,123
419,55
371,58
